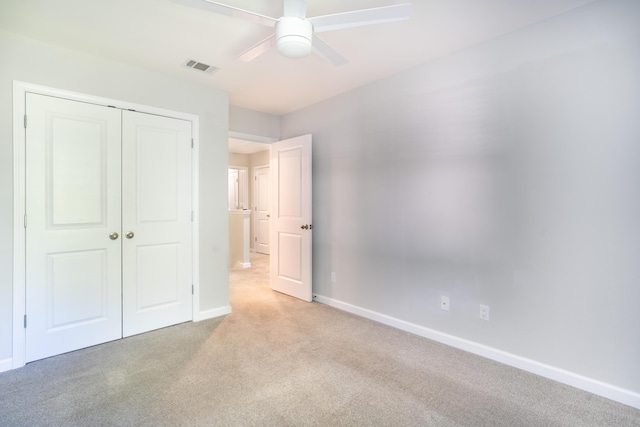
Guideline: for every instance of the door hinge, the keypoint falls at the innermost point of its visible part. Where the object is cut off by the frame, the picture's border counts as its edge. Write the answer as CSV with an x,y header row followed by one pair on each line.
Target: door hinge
x,y
191,216
191,142
25,220
25,121
193,291
25,321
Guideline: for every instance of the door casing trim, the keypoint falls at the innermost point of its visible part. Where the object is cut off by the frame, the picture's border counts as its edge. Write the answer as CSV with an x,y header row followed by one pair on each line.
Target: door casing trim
x,y
20,89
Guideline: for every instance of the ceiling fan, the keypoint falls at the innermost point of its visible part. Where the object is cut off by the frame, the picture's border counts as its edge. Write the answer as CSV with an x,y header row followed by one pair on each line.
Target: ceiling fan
x,y
295,34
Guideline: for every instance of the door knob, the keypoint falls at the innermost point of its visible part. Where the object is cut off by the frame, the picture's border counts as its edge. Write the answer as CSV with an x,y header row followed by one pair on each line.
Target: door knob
x,y
129,235
304,227
113,236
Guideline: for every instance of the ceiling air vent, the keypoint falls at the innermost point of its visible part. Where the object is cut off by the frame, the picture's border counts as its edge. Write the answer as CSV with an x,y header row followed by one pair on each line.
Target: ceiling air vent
x,y
190,63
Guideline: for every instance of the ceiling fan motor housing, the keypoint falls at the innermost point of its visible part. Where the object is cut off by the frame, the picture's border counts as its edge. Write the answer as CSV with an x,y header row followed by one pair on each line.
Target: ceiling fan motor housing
x,y
294,36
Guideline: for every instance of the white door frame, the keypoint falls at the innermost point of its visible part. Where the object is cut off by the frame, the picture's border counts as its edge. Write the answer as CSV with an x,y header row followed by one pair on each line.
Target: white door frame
x,y
20,89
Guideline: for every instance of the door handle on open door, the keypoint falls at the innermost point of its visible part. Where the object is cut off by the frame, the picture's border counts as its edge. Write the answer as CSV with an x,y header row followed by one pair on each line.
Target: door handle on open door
x,y
306,227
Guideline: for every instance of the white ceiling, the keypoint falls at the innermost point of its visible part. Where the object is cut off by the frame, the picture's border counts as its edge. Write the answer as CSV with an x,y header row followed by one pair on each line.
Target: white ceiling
x,y
162,34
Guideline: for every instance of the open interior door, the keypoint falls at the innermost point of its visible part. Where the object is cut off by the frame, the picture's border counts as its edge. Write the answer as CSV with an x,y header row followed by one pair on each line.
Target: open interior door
x,y
291,227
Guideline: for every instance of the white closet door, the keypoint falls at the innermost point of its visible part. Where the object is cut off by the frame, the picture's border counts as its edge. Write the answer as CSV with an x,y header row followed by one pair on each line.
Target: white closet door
x,y
156,172
73,276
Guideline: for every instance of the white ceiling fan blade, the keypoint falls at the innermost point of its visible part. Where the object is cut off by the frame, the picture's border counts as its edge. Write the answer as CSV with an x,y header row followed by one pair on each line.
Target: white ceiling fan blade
x,y
296,8
234,12
258,49
362,17
328,53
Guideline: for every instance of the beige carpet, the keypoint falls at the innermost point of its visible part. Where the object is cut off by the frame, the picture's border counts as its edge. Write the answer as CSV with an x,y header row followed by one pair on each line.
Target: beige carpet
x,y
278,361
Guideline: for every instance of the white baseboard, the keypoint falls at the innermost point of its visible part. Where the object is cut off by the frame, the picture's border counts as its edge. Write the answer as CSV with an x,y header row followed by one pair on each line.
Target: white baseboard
x,y
6,364
245,264
591,385
212,313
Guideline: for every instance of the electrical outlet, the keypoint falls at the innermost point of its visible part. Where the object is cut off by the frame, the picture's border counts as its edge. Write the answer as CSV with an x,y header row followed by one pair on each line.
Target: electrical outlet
x,y
444,303
333,277
484,312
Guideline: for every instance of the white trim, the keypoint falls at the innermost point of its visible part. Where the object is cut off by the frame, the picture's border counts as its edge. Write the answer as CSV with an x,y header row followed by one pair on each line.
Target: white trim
x,y
195,208
212,313
19,244
250,137
20,89
6,364
618,394
245,264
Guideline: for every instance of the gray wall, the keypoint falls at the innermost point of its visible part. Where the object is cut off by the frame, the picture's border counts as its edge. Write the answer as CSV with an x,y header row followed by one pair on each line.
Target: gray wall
x,y
34,62
252,122
507,174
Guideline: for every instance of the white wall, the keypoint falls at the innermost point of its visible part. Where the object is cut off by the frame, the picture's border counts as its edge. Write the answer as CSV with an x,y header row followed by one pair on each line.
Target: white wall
x,y
261,158
507,174
238,238
238,159
34,62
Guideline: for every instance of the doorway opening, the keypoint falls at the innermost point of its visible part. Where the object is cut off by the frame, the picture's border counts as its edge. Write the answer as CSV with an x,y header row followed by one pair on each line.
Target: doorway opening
x,y
286,213
249,214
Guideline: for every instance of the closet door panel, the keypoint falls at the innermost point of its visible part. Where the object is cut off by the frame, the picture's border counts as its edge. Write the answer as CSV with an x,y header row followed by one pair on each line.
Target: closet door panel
x,y
73,275
156,162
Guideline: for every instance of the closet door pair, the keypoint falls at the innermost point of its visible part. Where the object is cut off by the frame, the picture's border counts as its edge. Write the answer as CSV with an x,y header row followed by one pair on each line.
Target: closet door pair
x,y
108,224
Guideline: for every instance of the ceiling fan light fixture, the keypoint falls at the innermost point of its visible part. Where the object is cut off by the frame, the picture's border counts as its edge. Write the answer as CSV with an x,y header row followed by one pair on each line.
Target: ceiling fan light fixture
x,y
293,36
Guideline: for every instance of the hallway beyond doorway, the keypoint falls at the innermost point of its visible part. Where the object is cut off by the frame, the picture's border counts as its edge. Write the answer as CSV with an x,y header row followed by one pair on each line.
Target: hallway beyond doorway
x,y
257,276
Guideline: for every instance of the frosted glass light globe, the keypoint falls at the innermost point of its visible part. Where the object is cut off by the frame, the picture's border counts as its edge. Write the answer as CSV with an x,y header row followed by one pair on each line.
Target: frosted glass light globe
x,y
294,36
